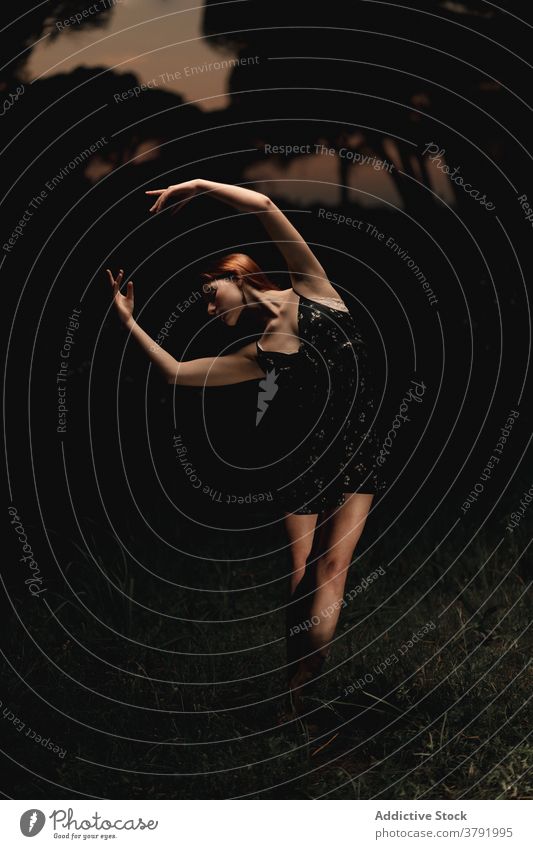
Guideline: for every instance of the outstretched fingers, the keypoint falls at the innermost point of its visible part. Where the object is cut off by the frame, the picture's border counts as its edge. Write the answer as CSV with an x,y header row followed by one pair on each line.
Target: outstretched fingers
x,y
159,202
115,282
182,193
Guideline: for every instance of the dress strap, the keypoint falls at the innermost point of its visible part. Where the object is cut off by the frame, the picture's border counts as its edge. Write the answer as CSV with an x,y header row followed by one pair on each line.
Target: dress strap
x,y
334,303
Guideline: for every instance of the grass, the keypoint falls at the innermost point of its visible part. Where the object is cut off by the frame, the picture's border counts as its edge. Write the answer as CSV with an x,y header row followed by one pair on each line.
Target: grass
x,y
449,718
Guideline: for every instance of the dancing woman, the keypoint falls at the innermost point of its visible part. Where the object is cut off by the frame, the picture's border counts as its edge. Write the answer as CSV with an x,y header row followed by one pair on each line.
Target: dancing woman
x,y
313,351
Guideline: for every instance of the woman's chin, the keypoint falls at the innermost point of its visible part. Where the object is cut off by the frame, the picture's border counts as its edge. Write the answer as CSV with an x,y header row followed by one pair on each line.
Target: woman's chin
x,y
231,317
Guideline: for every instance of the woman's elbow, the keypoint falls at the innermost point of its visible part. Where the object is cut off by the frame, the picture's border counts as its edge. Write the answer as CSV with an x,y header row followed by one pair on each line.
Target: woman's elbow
x,y
264,202
171,374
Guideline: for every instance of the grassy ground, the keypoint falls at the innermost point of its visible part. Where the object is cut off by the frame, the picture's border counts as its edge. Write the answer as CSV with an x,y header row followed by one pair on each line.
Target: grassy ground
x,y
444,718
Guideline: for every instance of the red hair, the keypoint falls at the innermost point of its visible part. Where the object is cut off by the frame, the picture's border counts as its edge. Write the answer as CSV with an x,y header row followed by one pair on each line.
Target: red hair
x,y
240,266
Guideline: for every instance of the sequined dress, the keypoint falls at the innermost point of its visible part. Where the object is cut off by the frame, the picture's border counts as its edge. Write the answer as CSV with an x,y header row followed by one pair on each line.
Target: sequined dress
x,y
324,411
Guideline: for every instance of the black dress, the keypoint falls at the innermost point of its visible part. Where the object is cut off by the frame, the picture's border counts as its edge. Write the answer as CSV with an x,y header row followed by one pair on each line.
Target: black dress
x,y
319,406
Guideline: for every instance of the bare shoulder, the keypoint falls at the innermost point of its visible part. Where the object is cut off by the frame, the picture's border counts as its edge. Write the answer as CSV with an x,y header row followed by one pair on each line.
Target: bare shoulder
x,y
314,284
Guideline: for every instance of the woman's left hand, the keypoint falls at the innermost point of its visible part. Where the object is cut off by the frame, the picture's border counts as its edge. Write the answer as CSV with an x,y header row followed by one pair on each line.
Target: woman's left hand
x,y
181,192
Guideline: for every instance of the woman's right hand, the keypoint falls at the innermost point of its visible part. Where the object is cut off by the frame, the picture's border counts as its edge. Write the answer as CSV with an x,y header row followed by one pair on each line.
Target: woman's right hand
x,y
123,303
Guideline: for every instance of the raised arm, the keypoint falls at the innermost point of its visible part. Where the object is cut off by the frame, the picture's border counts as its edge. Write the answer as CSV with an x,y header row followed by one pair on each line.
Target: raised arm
x,y
307,274
205,371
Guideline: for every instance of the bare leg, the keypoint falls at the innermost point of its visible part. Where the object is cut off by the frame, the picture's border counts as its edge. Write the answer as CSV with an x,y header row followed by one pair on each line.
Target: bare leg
x,y
301,533
338,536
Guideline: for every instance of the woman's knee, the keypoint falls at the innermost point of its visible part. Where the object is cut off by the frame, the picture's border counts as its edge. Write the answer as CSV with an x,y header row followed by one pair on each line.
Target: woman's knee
x,y
332,567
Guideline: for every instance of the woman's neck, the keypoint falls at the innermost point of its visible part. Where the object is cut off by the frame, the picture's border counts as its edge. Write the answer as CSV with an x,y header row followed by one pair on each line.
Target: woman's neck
x,y
266,304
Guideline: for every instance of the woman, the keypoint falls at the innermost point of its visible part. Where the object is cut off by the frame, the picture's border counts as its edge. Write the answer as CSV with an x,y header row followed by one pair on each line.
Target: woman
x,y
311,350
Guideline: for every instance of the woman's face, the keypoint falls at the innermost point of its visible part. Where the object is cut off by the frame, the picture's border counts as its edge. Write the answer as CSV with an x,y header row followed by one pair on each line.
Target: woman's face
x,y
224,300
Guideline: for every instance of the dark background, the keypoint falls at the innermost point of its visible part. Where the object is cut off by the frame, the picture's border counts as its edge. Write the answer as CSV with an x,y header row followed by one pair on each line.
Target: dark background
x,y
451,73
